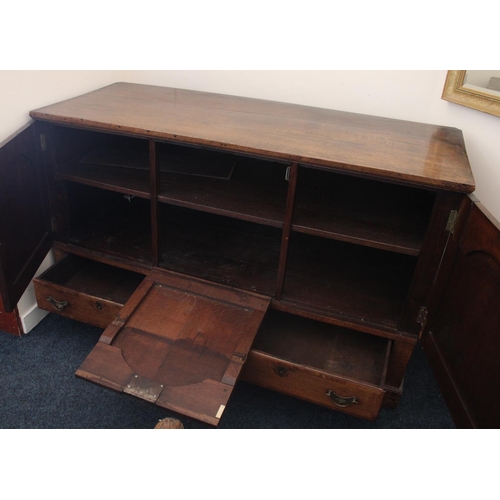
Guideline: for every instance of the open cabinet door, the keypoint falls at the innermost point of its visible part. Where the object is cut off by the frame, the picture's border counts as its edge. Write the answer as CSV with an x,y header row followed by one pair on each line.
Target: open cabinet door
x,y
178,342
463,340
25,236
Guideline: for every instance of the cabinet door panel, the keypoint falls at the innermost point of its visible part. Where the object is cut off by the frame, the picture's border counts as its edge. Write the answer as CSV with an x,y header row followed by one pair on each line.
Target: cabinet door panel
x,y
25,236
463,341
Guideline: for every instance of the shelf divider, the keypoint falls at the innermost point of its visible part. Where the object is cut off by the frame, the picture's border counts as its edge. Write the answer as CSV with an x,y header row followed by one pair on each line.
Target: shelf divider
x,y
154,177
287,227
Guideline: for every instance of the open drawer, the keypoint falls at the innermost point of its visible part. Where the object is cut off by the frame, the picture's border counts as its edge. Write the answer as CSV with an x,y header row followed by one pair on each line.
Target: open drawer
x,y
335,367
85,290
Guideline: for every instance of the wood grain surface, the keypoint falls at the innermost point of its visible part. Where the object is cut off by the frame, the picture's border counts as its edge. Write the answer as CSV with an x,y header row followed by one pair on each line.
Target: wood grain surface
x,y
416,153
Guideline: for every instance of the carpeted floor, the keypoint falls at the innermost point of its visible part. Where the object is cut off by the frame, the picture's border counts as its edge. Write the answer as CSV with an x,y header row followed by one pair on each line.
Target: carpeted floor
x,y
38,390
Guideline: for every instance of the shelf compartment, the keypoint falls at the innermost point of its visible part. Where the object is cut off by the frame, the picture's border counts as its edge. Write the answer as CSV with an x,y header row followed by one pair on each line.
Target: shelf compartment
x,y
362,211
306,358
348,282
219,249
122,180
85,290
255,191
109,224
105,161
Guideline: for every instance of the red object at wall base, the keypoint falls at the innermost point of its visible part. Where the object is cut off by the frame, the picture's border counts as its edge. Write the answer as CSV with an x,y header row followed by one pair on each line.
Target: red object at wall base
x,y
11,323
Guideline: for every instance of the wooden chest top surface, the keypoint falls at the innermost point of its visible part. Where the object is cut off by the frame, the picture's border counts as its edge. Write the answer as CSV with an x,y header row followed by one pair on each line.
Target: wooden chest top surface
x,y
420,154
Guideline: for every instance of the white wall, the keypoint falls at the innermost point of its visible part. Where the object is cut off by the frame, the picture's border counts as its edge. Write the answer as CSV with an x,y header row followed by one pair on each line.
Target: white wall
x,y
22,91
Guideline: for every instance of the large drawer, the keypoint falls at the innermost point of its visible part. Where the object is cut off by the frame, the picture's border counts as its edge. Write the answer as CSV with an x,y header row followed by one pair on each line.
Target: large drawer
x,y
335,367
85,290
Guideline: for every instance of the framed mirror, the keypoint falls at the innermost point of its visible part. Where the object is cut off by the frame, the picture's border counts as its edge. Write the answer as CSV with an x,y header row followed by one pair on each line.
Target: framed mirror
x,y
477,89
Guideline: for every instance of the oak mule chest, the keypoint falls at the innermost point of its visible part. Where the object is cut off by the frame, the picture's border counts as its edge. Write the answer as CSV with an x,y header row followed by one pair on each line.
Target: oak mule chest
x,y
215,238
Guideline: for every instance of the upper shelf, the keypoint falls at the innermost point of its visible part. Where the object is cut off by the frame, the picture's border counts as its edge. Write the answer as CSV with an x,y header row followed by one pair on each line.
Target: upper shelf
x,y
419,154
341,207
256,191
223,184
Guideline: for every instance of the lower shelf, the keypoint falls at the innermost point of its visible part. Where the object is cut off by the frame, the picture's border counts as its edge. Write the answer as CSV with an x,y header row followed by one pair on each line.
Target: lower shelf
x,y
235,253
352,282
327,365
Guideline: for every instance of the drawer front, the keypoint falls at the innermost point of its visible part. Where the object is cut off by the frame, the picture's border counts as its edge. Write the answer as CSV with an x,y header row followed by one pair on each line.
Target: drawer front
x,y
313,385
75,305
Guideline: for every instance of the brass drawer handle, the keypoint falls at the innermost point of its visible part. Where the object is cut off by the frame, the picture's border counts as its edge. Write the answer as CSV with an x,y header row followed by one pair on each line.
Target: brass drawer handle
x,y
341,401
59,305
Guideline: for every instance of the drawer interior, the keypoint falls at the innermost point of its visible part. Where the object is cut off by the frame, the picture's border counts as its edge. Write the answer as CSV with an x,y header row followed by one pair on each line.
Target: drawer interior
x,y
93,278
331,349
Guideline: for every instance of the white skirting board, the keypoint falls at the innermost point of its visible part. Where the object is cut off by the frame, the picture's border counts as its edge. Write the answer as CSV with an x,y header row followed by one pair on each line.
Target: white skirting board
x,y
29,313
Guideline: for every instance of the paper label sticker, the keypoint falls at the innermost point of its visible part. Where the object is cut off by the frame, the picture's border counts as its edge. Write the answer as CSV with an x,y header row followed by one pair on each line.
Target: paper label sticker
x,y
221,410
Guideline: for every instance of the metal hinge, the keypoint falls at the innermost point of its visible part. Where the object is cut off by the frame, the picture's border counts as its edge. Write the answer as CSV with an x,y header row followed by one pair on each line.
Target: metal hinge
x,y
287,173
143,388
452,220
43,142
422,318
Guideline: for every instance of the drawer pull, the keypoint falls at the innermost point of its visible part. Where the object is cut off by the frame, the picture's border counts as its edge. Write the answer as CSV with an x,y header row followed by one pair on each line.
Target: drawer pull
x,y
280,371
98,305
59,305
341,401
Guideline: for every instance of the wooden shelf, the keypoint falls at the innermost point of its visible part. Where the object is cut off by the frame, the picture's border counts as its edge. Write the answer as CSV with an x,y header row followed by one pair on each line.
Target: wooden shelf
x,y
354,283
332,349
256,191
362,211
227,251
133,182
209,181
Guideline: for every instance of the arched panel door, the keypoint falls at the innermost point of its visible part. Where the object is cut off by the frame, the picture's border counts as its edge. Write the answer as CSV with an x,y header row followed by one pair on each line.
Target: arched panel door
x,y
463,341
25,236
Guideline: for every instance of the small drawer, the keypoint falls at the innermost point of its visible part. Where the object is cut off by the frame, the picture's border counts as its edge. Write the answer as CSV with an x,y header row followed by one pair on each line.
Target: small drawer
x,y
335,367
85,290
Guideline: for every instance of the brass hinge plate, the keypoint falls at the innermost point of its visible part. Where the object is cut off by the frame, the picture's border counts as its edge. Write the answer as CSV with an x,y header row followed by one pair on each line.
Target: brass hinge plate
x,y
143,388
53,224
452,221
43,142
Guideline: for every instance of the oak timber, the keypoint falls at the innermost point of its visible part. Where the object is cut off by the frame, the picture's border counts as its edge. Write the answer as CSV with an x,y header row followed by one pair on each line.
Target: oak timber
x,y
426,155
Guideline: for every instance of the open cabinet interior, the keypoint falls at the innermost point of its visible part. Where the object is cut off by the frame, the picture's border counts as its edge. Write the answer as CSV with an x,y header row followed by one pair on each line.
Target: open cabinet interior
x,y
351,260
334,247
229,251
345,280
344,253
